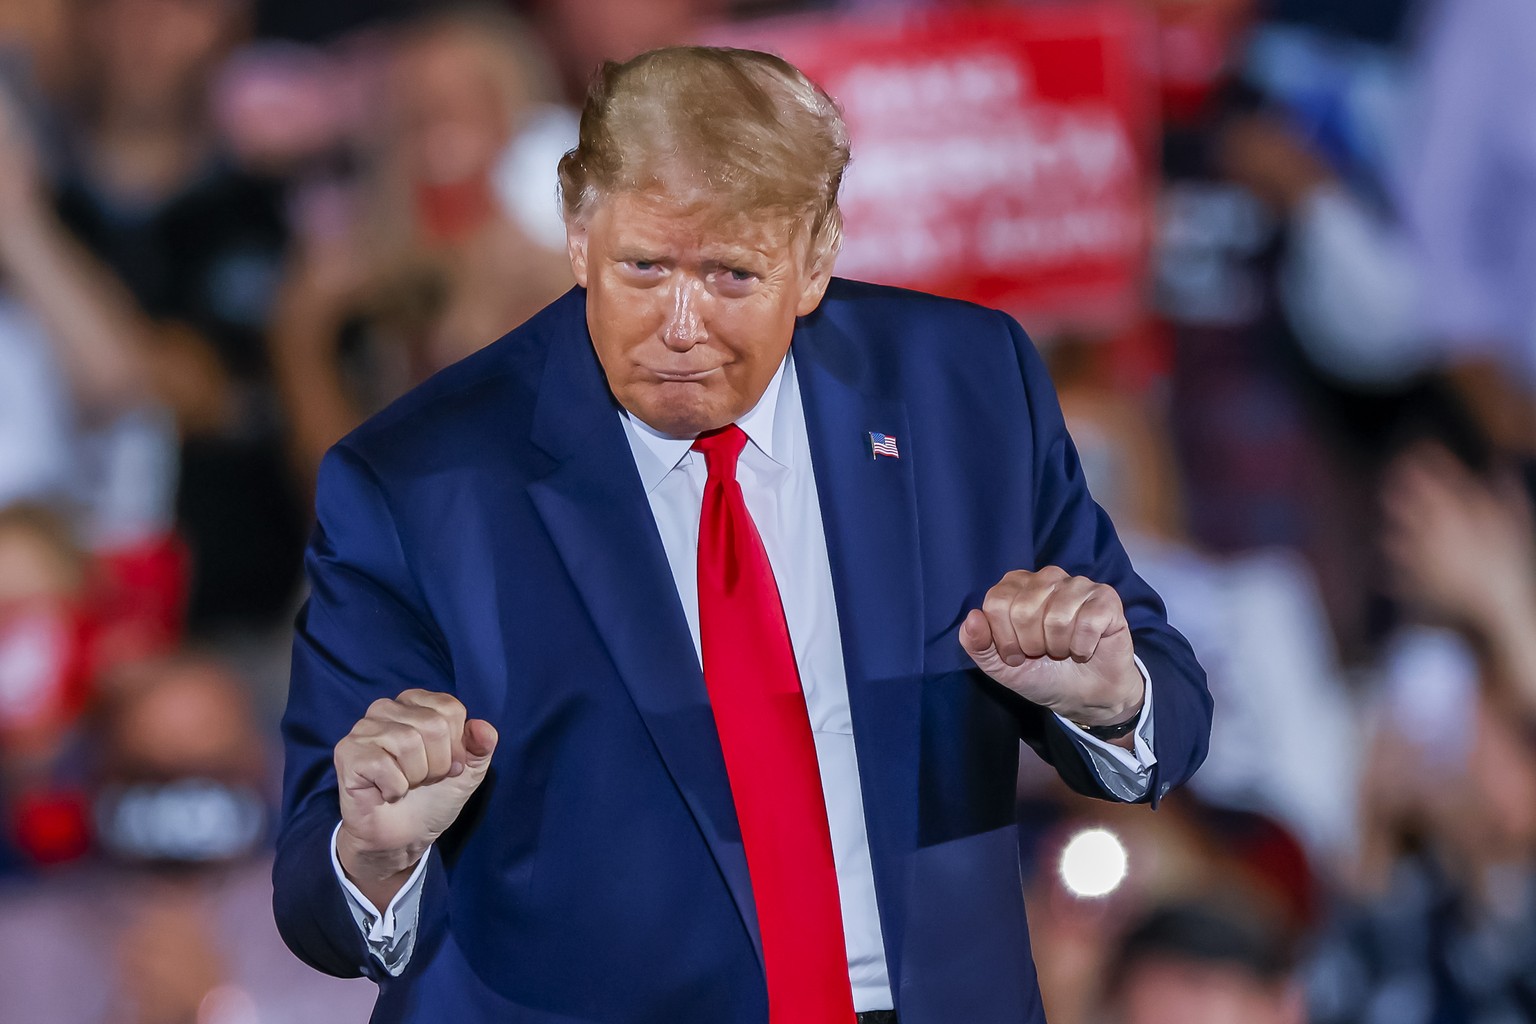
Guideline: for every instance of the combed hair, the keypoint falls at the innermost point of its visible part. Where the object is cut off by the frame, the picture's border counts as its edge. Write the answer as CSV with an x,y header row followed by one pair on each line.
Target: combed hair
x,y
743,130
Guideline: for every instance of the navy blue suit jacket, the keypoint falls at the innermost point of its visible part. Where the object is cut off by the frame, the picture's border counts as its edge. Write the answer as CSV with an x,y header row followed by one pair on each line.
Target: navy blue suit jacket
x,y
488,535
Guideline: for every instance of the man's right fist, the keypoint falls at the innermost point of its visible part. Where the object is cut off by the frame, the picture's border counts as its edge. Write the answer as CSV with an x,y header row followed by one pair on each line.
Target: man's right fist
x,y
404,773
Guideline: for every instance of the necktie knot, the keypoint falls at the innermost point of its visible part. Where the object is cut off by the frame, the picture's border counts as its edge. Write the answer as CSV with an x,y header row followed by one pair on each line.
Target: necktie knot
x,y
721,448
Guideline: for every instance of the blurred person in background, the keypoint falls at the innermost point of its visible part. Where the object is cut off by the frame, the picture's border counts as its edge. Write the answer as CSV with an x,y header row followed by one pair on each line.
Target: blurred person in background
x,y
46,669
1287,281
1240,434
1272,817
1438,923
1440,926
1471,204
450,237
90,568
1200,964
80,425
168,923
1462,547
198,243
1284,743
1091,871
68,618
1326,151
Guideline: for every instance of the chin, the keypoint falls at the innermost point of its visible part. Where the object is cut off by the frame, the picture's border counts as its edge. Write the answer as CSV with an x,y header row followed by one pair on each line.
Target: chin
x,y
680,410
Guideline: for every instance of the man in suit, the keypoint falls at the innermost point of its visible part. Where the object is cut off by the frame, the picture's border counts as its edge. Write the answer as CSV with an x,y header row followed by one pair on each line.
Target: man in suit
x,y
667,660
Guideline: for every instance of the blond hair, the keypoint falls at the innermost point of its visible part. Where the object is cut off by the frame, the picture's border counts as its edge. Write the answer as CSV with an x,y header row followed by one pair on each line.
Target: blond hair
x,y
746,131
499,43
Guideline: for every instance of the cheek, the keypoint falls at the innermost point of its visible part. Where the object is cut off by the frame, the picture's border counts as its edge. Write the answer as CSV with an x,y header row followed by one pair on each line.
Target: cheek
x,y
624,334
625,316
757,336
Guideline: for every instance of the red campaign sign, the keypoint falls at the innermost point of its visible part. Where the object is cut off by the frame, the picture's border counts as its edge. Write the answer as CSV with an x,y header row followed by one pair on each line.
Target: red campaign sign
x,y
1003,155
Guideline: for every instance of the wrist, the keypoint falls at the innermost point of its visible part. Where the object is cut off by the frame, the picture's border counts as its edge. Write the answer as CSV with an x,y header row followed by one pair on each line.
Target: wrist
x,y
1119,733
366,866
1114,718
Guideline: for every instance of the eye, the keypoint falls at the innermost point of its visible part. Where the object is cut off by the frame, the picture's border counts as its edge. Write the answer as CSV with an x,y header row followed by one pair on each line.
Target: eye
x,y
642,265
733,281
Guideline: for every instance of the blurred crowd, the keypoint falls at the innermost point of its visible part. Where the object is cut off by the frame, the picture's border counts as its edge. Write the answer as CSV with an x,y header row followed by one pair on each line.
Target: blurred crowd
x,y
232,229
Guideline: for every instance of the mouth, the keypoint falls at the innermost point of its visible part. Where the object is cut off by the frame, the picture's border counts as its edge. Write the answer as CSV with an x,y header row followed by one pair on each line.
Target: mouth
x,y
683,376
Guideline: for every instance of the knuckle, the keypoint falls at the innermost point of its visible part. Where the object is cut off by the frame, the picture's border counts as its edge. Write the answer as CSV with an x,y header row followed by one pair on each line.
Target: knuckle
x,y
413,717
443,706
387,732
1057,620
371,761
1105,592
1084,587
380,707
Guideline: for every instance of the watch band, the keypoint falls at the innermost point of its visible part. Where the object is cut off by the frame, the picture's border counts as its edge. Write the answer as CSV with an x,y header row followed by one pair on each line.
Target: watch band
x,y
1112,732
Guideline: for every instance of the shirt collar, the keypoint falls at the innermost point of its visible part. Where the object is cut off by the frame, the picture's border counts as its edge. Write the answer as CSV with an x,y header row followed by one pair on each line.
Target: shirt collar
x,y
657,454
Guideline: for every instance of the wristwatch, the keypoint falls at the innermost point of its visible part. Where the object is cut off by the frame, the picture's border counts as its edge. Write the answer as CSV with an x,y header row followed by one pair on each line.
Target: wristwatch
x,y
1112,732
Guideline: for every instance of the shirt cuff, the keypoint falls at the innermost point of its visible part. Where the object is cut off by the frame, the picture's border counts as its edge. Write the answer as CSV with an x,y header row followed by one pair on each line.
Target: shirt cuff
x,y
391,936
1127,774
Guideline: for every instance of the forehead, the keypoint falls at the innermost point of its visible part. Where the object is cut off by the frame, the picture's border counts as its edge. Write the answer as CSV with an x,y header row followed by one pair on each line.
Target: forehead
x,y
692,223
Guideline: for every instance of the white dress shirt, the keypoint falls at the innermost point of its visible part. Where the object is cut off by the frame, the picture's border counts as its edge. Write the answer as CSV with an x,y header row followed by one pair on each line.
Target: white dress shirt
x,y
775,475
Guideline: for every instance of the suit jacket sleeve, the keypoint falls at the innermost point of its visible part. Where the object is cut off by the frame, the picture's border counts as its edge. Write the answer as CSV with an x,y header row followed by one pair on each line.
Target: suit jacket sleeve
x,y
1073,532
364,633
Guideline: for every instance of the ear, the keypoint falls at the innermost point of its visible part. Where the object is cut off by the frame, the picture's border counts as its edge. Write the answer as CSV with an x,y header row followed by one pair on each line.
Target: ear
x,y
816,283
576,249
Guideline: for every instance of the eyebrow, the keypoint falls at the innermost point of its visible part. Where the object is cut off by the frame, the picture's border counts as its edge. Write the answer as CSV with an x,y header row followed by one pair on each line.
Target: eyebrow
x,y
732,257
635,254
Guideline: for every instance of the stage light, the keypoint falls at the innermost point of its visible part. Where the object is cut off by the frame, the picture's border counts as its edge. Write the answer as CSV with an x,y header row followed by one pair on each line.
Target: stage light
x,y
1093,864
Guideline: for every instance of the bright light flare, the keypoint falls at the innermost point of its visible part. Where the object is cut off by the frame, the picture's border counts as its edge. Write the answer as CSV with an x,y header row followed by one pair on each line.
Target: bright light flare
x,y
1093,864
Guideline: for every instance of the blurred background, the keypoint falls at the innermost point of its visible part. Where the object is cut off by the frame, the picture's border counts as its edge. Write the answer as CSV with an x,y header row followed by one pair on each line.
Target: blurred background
x,y
1281,258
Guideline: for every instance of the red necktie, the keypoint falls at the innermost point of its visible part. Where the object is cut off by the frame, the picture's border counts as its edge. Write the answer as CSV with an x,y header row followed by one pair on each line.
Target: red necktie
x,y
770,756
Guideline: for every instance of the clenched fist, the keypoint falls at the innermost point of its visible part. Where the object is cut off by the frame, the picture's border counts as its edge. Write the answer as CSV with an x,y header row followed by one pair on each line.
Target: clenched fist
x,y
1060,641
405,772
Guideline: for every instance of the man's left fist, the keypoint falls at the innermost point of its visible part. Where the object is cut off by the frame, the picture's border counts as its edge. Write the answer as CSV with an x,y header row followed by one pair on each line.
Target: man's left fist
x,y
1060,641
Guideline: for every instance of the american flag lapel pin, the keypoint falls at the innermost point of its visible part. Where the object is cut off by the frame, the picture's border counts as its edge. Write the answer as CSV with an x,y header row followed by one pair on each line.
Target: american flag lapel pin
x,y
882,444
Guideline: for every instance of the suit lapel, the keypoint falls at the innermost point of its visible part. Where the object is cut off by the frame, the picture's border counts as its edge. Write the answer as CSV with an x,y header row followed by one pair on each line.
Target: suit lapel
x,y
597,514
869,511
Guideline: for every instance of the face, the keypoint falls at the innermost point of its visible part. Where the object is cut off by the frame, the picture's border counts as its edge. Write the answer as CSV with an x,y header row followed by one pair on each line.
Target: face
x,y
32,567
191,721
452,120
1182,993
154,52
690,313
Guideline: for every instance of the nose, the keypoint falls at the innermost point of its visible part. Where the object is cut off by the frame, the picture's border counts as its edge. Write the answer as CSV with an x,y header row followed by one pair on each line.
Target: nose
x,y
683,327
